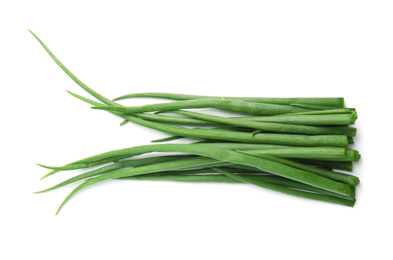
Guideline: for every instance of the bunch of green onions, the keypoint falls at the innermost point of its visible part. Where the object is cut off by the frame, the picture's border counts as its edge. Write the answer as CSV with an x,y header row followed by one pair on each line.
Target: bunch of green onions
x,y
295,146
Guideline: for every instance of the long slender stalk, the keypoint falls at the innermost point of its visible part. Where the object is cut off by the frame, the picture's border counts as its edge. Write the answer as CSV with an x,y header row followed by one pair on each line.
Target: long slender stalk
x,y
237,136
338,176
209,156
346,166
332,102
272,127
223,104
218,178
181,120
119,165
319,153
218,154
332,140
286,190
232,157
321,119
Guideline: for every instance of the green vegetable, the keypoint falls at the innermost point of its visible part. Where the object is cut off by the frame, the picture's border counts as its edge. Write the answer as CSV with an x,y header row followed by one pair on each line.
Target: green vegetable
x,y
274,127
338,176
224,104
323,119
225,155
286,190
308,131
224,179
236,136
325,153
218,154
347,166
300,140
332,102
175,119
188,162
166,139
325,112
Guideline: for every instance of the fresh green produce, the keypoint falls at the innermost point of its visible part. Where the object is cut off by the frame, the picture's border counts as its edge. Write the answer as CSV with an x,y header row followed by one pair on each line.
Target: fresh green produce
x,y
203,177
224,104
331,102
294,192
265,126
294,146
236,136
323,120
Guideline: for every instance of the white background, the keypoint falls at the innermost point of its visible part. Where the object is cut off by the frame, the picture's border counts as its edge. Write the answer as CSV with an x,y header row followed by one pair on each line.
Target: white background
x,y
236,48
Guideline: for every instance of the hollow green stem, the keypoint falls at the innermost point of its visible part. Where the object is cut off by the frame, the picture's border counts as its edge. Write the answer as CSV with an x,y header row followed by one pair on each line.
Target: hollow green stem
x,y
274,127
182,160
236,136
218,178
346,166
223,104
166,139
333,102
323,119
235,158
338,176
319,153
286,190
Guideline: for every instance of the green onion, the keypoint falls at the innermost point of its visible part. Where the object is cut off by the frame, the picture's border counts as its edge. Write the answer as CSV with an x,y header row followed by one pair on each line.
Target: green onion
x,y
274,127
232,157
324,153
332,102
322,119
224,179
224,104
290,147
286,190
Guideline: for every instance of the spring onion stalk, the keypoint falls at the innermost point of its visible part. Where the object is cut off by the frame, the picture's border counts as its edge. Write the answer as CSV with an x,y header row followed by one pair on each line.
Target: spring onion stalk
x,y
175,119
228,105
274,127
290,146
339,165
237,136
182,164
318,153
225,156
320,140
166,139
338,176
216,178
286,190
236,158
325,112
331,102
321,119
